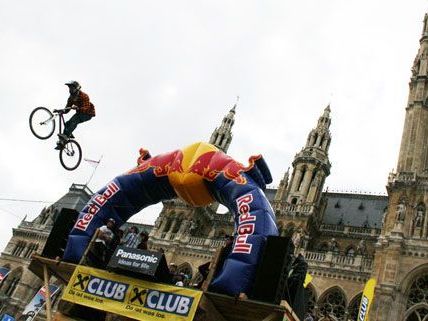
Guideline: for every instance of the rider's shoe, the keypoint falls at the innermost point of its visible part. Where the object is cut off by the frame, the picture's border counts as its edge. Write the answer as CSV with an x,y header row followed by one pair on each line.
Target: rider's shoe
x,y
63,136
58,147
71,136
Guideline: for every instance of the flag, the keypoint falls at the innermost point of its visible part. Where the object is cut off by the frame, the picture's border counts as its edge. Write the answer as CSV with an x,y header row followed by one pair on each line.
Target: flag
x,y
3,273
366,300
92,162
38,301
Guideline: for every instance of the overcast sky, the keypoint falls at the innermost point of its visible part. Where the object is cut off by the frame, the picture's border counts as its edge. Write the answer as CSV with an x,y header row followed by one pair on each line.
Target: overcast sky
x,y
162,74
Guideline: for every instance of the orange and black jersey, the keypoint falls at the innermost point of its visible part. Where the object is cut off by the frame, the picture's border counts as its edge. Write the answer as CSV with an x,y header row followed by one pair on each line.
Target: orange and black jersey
x,y
81,100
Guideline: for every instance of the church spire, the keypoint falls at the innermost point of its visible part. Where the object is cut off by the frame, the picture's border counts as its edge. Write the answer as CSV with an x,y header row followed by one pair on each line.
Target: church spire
x,y
222,136
311,166
413,155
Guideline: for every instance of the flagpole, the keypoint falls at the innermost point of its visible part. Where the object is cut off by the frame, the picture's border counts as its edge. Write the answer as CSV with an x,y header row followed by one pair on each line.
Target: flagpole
x,y
93,172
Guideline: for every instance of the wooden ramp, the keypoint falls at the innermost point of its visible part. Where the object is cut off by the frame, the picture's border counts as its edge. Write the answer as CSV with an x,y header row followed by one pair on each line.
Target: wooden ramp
x,y
212,307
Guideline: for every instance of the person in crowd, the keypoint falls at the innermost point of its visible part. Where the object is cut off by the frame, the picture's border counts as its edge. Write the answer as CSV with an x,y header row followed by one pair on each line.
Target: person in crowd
x,y
131,239
173,271
144,237
180,280
204,270
103,239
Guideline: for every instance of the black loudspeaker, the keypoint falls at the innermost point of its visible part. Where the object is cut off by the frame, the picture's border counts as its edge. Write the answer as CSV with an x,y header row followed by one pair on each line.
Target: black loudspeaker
x,y
57,240
272,272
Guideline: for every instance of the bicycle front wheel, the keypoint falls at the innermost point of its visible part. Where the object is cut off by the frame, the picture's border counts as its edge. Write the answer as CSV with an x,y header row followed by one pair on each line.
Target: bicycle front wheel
x,y
70,155
42,123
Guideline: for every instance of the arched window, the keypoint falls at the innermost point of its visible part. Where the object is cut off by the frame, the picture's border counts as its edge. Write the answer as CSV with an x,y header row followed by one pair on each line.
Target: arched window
x,y
19,248
186,269
417,300
299,185
310,299
315,139
314,175
333,304
294,201
321,141
12,282
177,225
168,224
31,249
353,308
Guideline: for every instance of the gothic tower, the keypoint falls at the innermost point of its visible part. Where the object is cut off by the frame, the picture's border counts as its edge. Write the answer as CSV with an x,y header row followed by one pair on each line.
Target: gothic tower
x,y
300,198
222,136
401,248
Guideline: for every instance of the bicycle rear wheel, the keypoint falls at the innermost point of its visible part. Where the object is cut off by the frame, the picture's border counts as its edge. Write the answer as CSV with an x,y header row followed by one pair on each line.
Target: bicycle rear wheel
x,y
42,123
70,155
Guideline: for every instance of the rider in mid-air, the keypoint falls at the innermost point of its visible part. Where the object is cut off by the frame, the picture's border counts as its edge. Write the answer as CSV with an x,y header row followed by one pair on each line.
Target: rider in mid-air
x,y
85,110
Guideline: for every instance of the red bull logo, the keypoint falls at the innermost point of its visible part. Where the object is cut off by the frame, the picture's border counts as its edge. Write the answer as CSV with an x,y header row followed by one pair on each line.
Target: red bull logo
x,y
246,224
94,206
162,164
214,163
207,165
188,168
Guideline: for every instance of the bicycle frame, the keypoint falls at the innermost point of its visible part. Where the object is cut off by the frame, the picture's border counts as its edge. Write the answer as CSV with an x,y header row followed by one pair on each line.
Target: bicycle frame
x,y
61,120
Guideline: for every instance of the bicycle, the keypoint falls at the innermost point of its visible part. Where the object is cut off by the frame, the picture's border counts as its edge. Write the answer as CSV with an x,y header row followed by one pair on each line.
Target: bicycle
x,y
42,125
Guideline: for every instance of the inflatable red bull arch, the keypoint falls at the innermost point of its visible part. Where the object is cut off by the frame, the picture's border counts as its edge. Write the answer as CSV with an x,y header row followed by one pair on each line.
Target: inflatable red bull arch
x,y
199,174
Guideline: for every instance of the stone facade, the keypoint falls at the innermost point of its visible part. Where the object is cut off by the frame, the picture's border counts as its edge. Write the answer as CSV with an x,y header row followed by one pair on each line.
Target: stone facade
x,y
30,237
345,237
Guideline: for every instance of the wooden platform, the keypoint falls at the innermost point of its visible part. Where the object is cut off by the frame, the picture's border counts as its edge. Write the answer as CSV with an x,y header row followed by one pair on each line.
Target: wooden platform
x,y
212,307
231,309
61,270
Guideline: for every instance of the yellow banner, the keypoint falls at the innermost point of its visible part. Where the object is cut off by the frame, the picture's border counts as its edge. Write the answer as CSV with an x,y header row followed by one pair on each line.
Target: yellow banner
x,y
137,299
308,279
366,300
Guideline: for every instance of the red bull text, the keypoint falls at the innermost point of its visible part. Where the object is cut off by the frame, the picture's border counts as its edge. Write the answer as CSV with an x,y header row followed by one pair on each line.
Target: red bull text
x,y
246,224
95,205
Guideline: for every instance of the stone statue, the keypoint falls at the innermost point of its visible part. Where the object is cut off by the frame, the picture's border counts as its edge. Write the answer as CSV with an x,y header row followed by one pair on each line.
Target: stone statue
x,y
184,228
419,217
297,238
385,212
194,226
362,248
333,246
401,212
158,222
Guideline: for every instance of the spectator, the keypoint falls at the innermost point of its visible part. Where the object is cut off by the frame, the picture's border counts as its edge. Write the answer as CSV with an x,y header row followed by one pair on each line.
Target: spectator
x,y
204,269
131,239
144,237
103,240
173,271
180,279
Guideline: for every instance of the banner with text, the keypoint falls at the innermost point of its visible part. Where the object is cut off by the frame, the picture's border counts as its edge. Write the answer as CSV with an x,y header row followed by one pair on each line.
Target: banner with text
x,y
38,302
366,300
130,297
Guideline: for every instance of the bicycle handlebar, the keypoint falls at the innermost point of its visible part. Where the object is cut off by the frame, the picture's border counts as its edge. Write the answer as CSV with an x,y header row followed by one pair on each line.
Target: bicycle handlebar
x,y
61,111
